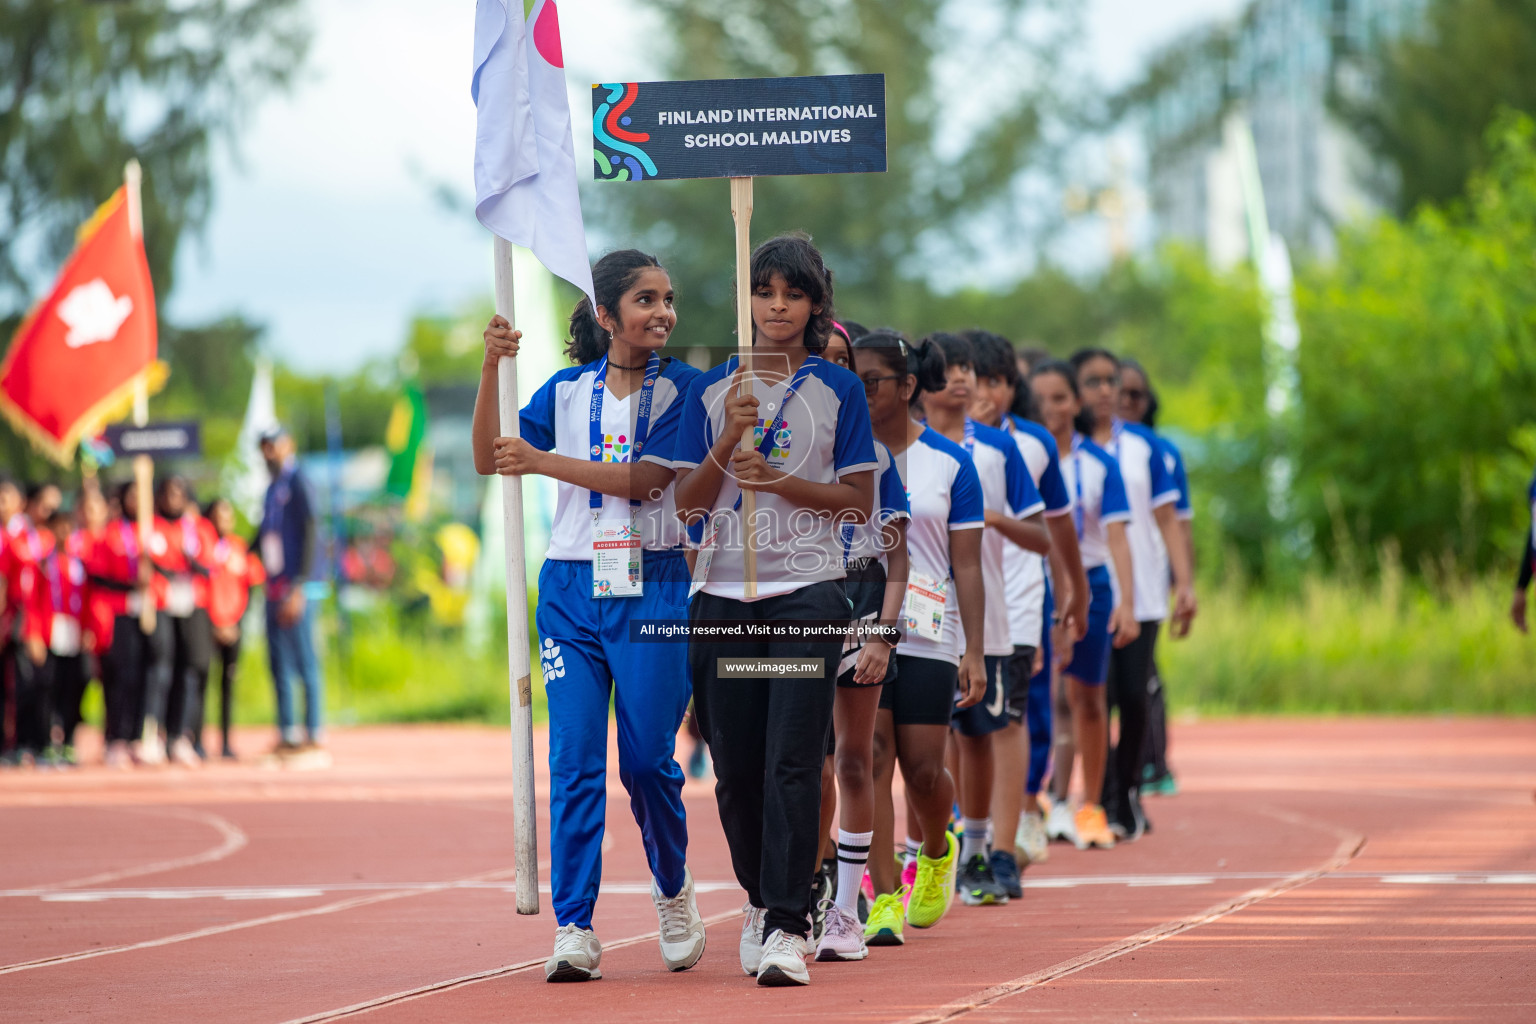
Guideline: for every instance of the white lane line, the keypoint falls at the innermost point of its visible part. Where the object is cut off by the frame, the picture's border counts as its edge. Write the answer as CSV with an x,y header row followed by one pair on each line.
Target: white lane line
x,y
233,839
203,933
315,891
422,991
1346,851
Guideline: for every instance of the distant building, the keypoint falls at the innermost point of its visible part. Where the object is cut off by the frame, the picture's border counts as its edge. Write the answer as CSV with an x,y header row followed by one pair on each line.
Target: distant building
x,y
1277,67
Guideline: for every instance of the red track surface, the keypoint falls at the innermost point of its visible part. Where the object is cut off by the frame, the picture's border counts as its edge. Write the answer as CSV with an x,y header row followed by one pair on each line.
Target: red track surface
x,y
1311,870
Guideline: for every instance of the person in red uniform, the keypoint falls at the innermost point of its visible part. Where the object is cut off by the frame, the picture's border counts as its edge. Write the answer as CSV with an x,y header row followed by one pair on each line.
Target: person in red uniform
x,y
26,548
180,554
120,579
232,574
55,626
11,503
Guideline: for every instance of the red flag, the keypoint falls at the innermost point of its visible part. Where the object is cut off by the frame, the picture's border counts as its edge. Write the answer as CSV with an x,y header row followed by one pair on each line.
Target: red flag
x,y
74,362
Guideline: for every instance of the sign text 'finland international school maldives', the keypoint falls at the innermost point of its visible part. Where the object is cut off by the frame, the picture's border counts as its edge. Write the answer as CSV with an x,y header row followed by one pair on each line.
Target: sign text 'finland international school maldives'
x,y
738,127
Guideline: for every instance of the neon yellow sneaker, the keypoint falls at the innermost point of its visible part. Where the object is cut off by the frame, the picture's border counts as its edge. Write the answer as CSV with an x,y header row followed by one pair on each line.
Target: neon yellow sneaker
x,y
934,889
885,920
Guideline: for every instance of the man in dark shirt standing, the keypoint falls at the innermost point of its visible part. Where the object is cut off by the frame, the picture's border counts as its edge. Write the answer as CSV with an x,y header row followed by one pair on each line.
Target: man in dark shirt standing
x,y
287,545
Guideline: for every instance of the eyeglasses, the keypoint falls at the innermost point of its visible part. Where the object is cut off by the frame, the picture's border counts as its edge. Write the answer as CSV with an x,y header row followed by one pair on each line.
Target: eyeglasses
x,y
1110,381
872,384
1133,394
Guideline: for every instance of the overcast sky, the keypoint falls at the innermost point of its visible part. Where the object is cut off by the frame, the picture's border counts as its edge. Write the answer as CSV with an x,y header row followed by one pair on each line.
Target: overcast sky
x,y
325,227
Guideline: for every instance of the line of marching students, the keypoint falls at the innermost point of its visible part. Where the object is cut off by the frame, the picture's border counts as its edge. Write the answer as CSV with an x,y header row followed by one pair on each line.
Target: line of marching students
x,y
84,597
1005,529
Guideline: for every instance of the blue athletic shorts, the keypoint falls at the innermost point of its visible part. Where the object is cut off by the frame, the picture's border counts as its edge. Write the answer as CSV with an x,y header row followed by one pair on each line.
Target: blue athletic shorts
x,y
1090,657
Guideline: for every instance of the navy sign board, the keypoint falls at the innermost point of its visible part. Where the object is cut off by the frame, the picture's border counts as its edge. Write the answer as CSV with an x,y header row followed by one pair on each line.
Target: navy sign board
x,y
738,127
161,440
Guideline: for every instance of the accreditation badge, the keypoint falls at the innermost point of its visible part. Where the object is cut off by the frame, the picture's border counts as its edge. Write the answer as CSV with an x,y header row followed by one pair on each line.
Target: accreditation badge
x,y
64,635
616,556
705,556
923,607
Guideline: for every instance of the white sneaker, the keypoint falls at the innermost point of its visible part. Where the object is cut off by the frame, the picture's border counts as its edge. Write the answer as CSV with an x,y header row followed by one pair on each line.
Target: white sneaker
x,y
576,957
1060,823
783,961
1030,844
752,939
184,754
842,937
682,930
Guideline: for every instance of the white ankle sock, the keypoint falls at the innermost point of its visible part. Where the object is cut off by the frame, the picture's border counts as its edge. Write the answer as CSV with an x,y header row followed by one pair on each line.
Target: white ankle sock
x,y
852,855
974,840
914,847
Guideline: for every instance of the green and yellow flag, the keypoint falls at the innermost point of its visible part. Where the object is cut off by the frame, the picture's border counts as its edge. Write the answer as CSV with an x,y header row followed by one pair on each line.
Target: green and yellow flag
x,y
410,465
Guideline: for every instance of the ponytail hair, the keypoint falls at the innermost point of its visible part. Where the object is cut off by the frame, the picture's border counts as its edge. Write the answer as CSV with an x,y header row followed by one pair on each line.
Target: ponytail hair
x,y
924,361
795,259
612,276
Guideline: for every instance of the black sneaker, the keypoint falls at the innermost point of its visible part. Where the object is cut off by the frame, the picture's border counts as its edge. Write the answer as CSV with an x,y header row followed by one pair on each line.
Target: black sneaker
x,y
1129,822
977,886
823,888
1005,868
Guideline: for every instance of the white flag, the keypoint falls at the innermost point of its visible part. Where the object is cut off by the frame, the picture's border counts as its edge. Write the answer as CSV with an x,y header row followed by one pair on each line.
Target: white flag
x,y
245,476
525,166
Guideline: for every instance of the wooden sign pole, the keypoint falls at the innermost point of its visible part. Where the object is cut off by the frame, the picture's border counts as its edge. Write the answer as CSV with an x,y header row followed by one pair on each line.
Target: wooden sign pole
x,y
741,210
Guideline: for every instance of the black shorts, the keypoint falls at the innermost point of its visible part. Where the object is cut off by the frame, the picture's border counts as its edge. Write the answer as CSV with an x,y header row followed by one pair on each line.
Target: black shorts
x,y
989,714
923,692
1021,669
865,587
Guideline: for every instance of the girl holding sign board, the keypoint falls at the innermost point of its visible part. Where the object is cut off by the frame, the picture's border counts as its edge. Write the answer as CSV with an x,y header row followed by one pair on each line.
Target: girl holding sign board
x,y
944,588
614,557
812,470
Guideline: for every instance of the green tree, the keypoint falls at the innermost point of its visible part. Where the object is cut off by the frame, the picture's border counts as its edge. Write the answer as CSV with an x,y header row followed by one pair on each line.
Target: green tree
x,y
1418,364
88,85
1435,91
956,154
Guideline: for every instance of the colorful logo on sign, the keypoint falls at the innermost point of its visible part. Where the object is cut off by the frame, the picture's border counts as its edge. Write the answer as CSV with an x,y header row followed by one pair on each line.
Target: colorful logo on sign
x,y
781,440
615,148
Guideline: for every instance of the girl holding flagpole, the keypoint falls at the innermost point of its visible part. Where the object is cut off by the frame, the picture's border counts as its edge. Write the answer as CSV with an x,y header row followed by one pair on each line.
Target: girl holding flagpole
x,y
603,429
812,470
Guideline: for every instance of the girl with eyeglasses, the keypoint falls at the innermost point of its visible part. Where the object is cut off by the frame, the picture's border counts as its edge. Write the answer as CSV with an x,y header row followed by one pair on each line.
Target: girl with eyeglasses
x,y
935,656
1138,404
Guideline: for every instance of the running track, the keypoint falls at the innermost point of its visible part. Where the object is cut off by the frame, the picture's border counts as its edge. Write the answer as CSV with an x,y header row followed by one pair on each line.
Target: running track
x,y
1360,870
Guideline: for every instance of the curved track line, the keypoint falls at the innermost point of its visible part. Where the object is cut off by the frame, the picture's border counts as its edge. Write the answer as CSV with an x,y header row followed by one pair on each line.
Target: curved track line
x,y
234,839
292,915
1347,850
422,991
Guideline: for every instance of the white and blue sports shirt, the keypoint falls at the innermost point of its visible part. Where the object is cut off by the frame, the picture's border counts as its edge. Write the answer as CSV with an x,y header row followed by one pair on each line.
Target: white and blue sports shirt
x,y
825,436
944,494
557,418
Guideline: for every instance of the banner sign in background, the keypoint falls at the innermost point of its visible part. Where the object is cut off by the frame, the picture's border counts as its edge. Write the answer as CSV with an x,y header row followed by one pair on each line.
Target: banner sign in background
x,y
163,440
738,127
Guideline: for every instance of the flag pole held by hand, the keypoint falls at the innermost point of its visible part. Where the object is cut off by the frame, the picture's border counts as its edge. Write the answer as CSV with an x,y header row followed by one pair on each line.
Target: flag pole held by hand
x,y
525,838
741,210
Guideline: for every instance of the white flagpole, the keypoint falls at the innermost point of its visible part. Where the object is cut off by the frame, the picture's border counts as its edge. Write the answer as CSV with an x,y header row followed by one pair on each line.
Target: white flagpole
x,y
524,810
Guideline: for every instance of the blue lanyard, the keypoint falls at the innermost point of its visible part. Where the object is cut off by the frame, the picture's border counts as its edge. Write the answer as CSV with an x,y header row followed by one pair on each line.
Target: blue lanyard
x,y
1077,482
766,444
642,422
968,437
